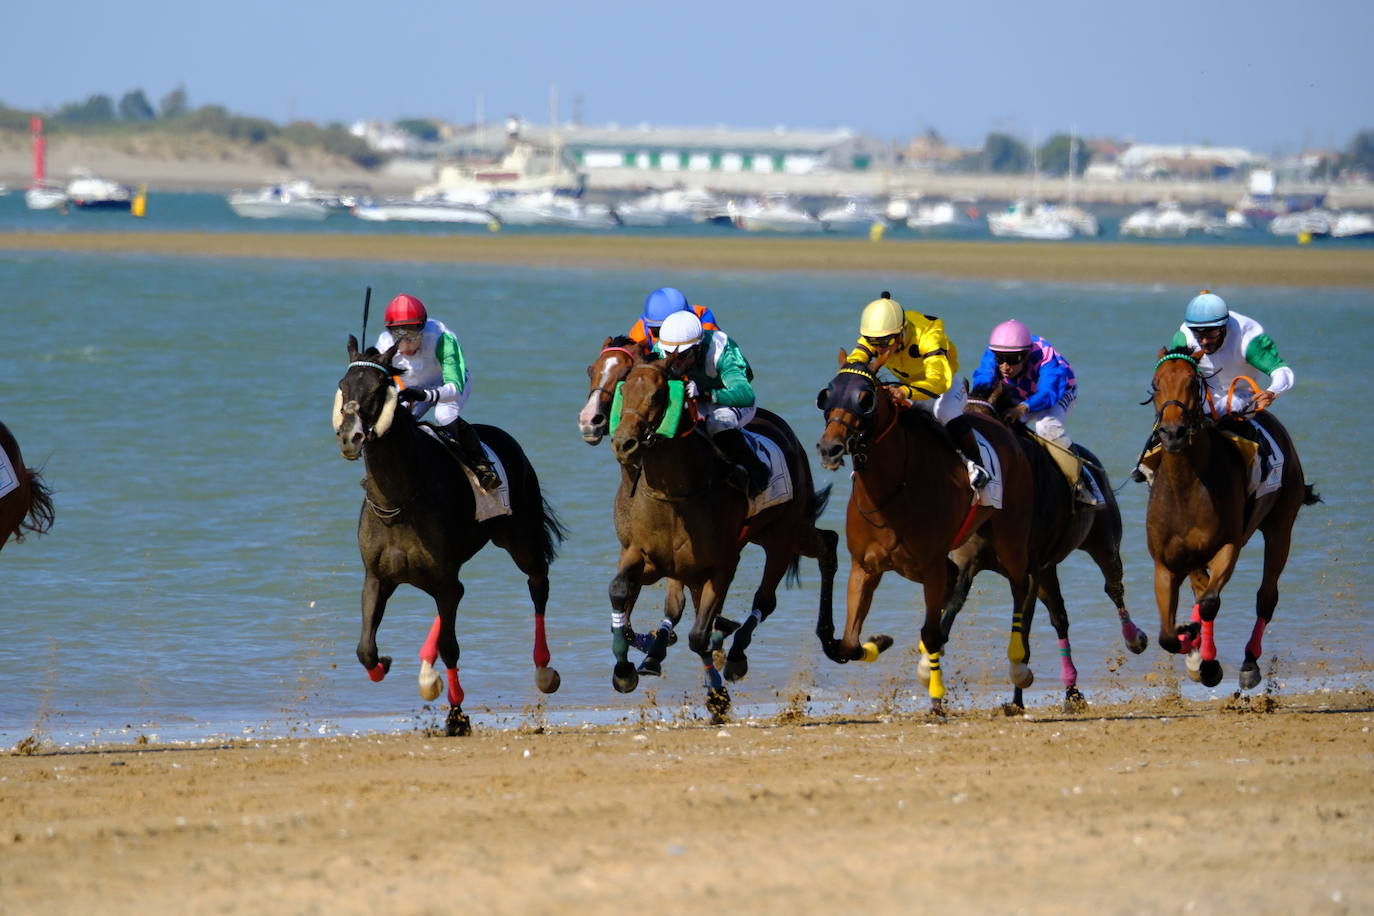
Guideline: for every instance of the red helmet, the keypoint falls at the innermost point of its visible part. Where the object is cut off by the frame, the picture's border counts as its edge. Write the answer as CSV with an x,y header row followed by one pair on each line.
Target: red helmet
x,y
405,309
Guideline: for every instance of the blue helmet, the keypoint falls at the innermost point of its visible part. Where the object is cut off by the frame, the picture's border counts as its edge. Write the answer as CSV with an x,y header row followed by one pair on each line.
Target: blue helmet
x,y
661,303
1207,310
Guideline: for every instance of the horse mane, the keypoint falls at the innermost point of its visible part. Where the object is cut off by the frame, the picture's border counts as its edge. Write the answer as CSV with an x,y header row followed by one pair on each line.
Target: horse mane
x,y
622,340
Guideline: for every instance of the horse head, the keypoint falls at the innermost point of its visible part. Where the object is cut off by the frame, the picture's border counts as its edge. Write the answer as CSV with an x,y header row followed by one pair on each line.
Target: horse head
x,y
610,367
643,403
1177,394
365,403
851,405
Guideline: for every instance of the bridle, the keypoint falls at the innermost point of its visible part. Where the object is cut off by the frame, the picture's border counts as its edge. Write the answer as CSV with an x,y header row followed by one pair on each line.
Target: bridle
x,y
370,432
1192,415
856,433
603,389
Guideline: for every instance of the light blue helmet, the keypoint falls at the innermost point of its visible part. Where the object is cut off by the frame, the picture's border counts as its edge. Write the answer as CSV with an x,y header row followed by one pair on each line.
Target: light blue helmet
x,y
1207,310
661,303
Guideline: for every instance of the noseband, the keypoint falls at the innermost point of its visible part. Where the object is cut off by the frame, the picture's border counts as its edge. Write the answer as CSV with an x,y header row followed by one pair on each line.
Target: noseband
x,y
856,439
1192,416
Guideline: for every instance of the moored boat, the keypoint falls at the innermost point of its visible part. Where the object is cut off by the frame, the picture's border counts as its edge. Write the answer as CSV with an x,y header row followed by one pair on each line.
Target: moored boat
x,y
89,191
289,200
1021,220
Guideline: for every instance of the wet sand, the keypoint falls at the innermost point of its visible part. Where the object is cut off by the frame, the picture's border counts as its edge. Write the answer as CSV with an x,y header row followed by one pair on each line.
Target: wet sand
x,y
1264,806
1213,265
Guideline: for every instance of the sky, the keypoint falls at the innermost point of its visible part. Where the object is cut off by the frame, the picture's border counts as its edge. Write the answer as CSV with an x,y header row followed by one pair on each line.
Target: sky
x,y
1275,77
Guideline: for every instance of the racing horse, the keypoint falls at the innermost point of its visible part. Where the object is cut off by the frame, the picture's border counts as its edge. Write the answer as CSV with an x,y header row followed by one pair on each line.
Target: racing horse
x,y
416,525
910,505
677,518
1061,527
1198,516
27,506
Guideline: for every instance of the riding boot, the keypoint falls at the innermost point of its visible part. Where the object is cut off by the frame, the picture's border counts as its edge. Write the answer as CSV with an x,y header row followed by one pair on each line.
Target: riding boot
x,y
962,433
751,471
473,455
1142,474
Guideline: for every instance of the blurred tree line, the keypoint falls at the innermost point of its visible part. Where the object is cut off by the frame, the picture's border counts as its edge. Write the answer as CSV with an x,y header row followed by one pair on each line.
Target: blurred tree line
x,y
133,113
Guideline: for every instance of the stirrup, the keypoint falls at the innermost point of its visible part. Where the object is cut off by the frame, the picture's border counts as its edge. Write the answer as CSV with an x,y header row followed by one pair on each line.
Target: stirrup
x,y
487,478
978,477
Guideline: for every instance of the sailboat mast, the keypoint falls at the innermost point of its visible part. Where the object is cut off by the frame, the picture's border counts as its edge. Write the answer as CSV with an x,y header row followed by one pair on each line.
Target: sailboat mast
x,y
40,150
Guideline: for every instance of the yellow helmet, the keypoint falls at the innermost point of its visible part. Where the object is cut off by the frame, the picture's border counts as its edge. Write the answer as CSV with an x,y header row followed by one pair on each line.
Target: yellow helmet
x,y
882,317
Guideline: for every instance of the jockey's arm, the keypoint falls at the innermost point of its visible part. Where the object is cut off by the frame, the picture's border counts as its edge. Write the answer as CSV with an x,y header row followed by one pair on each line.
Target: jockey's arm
x,y
1049,387
926,374
1264,356
454,369
735,389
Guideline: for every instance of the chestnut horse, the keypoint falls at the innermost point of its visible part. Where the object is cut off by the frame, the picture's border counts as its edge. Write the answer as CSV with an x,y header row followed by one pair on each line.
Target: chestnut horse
x,y
910,506
678,519
28,506
1061,526
416,525
1199,517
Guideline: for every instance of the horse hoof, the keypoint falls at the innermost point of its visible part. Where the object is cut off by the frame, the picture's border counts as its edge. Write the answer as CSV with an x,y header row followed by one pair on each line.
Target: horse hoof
x,y
1194,664
882,641
1210,673
1074,701
736,668
651,667
718,704
923,669
458,725
1012,708
1021,675
547,680
937,709
431,685
624,678
1138,642
1249,676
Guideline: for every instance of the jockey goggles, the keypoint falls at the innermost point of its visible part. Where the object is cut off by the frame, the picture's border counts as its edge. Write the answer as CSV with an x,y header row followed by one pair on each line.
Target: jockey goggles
x,y
1209,333
882,343
1009,357
407,331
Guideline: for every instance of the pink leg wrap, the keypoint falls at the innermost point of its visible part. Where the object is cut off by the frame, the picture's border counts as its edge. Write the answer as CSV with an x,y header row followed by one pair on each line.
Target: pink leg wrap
x,y
1255,646
429,652
1197,613
455,689
1185,643
1129,631
1067,672
541,645
1209,647
377,672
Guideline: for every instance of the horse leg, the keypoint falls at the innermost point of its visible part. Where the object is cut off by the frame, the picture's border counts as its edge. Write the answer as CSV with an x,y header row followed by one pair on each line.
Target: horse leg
x,y
1190,634
708,599
765,601
969,562
1276,546
935,589
1173,639
952,594
443,641
1221,566
376,593
624,590
1053,596
655,645
1023,596
862,585
535,566
1106,553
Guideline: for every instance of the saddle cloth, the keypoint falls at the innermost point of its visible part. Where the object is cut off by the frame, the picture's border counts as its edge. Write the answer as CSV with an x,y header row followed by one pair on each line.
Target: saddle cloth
x,y
779,489
1071,465
1260,481
9,480
488,505
991,494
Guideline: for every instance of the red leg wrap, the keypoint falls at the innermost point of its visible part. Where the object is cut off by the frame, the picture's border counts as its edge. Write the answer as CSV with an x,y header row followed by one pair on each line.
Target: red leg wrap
x,y
1255,646
1197,613
1209,647
377,672
541,645
1185,643
429,652
455,689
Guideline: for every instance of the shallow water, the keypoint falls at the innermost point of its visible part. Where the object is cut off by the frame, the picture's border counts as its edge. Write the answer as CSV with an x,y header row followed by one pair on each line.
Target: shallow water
x,y
203,574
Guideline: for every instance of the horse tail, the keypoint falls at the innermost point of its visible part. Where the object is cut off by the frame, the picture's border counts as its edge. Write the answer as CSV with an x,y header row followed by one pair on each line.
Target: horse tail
x,y
819,500
553,530
1310,496
39,518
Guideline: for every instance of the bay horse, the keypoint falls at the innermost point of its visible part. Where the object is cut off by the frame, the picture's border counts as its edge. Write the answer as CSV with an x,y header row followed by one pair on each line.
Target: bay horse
x,y
1199,517
911,504
27,507
416,525
677,518
1060,526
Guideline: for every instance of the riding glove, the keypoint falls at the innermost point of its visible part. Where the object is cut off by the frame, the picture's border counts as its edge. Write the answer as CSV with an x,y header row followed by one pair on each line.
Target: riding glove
x,y
410,396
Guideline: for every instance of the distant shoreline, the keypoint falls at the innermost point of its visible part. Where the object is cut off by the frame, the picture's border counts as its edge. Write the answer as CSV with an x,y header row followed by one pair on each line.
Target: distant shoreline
x,y
1030,261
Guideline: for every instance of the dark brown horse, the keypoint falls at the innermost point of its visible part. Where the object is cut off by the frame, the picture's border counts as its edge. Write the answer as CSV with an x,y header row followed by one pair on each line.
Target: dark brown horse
x,y
416,526
1199,517
27,507
678,519
911,504
1060,526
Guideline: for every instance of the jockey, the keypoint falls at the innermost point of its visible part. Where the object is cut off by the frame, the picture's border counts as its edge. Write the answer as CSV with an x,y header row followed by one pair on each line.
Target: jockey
x,y
434,375
717,377
1039,373
924,360
1231,344
659,305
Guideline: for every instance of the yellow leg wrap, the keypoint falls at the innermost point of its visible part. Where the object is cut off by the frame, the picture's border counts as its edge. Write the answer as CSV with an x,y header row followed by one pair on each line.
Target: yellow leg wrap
x,y
871,652
1016,643
937,681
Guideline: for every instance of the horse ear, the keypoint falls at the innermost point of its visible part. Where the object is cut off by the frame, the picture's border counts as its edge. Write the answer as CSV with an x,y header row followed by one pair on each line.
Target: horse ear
x,y
877,362
1198,354
821,397
352,349
844,358
607,342
1162,351
387,356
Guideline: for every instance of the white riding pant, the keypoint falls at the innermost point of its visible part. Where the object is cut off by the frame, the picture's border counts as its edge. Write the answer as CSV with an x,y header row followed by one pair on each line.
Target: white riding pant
x,y
445,412
719,417
947,406
1049,424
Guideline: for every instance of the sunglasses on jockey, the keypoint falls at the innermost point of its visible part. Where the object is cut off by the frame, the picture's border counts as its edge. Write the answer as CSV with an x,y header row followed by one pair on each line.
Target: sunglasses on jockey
x,y
1009,358
407,332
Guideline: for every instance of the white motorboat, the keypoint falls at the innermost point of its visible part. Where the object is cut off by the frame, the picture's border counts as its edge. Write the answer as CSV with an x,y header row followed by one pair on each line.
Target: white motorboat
x,y
46,196
944,215
675,207
855,214
89,191
525,166
777,214
1021,220
1316,221
1352,224
1083,222
1165,220
394,210
289,200
545,208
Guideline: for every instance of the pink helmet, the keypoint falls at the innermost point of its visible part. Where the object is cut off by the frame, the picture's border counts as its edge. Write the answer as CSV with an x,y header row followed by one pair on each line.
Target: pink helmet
x,y
1010,336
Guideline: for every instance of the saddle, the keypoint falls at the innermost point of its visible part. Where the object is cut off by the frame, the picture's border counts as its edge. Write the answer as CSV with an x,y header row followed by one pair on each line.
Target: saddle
x,y
1259,454
1082,485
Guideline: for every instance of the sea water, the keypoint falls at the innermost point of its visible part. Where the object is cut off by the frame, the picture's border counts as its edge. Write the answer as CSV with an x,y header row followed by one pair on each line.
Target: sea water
x,y
202,578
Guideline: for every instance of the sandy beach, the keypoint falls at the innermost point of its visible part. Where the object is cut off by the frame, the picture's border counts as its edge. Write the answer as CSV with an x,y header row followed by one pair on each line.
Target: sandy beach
x,y
1258,806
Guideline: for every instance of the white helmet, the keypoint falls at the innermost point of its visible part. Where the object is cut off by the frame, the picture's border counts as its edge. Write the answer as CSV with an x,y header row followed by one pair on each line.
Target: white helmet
x,y
680,331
